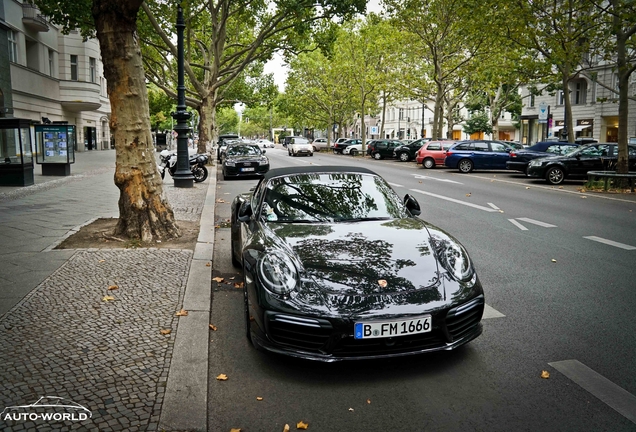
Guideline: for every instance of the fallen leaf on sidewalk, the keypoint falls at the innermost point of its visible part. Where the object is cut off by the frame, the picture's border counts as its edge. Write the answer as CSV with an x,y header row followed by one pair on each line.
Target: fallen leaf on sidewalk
x,y
350,409
258,398
553,260
208,264
233,277
108,298
218,279
165,331
213,327
235,430
238,284
112,287
221,377
368,401
182,312
220,200
302,425
468,194
286,428
101,261
545,374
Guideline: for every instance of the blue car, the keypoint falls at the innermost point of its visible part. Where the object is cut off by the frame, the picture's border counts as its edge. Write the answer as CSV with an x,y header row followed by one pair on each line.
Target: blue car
x,y
478,154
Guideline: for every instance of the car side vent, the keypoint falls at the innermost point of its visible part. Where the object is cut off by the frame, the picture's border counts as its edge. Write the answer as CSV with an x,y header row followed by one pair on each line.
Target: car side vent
x,y
462,319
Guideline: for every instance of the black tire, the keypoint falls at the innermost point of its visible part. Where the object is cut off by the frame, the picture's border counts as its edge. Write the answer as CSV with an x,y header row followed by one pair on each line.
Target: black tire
x,y
428,163
236,263
404,157
163,173
200,173
555,175
246,313
377,156
465,166
311,154
354,152
335,151
315,149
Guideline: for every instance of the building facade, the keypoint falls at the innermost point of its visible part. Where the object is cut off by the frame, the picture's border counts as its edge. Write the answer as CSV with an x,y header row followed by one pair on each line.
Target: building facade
x,y
54,77
594,109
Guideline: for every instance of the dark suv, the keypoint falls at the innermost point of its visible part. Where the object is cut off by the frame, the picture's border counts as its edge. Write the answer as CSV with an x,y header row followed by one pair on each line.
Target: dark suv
x,y
407,152
379,149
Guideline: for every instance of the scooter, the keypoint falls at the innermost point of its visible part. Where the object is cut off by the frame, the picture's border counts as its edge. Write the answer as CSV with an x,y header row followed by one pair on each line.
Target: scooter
x,y
168,162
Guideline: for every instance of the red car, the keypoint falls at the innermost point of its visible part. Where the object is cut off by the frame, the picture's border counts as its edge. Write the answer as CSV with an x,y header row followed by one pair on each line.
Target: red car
x,y
433,153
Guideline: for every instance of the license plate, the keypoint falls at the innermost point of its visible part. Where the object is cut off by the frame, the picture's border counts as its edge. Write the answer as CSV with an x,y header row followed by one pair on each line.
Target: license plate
x,y
383,329
247,169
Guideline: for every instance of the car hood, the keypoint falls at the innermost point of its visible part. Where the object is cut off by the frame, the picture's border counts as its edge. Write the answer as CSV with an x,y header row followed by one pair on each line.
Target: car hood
x,y
249,158
352,268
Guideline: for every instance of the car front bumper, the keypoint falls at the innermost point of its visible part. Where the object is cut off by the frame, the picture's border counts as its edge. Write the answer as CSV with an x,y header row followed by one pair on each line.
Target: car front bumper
x,y
536,171
516,166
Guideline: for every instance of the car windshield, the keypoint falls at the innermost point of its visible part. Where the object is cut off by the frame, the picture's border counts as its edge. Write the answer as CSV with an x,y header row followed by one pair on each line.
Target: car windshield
x,y
330,197
243,150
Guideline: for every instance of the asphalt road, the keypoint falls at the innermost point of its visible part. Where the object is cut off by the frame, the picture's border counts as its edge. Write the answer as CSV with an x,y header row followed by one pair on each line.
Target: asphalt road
x,y
557,267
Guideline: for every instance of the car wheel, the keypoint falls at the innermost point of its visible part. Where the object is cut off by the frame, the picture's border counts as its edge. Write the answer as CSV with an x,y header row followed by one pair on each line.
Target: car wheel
x,y
465,165
404,157
335,151
163,173
315,149
288,153
311,154
235,262
428,163
354,152
555,176
377,156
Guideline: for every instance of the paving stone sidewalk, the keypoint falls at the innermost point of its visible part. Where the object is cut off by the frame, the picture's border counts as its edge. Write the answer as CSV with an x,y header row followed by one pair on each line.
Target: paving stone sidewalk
x,y
107,350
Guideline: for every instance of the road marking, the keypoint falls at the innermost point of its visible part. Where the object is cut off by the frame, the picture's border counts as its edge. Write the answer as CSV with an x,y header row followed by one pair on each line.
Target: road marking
x,y
518,225
491,312
455,200
419,176
610,242
609,393
396,185
536,222
493,206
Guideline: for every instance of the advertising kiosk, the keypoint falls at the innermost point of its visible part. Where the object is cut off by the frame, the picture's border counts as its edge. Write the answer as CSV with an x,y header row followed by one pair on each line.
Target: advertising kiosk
x,y
55,148
16,157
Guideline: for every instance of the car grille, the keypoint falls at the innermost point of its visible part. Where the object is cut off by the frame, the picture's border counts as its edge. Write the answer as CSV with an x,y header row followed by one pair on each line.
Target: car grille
x,y
303,333
350,347
246,164
462,319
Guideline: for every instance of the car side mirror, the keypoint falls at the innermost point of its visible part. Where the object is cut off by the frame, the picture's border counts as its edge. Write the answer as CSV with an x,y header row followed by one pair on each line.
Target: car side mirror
x,y
245,212
264,151
412,205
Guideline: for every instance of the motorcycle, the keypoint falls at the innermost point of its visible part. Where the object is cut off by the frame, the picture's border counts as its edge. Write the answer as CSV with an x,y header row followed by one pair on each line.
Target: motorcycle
x,y
168,162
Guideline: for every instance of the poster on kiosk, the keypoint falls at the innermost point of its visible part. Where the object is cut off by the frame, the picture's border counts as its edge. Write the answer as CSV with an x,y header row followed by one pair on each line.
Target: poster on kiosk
x,y
55,148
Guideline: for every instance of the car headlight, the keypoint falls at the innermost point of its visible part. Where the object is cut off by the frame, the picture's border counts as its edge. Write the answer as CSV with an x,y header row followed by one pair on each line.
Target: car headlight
x,y
454,259
230,163
263,162
278,272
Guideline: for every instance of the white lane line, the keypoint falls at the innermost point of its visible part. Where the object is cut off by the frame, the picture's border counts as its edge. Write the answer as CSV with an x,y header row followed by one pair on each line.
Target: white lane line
x,y
536,222
395,184
518,225
610,242
491,312
493,206
616,397
419,176
455,200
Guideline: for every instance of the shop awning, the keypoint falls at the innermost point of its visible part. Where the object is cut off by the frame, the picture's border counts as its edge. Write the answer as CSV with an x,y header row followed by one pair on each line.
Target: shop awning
x,y
557,128
388,131
581,127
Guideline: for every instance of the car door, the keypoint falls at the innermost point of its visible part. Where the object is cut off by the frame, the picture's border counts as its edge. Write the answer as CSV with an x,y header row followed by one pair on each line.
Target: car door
x,y
499,155
590,158
481,155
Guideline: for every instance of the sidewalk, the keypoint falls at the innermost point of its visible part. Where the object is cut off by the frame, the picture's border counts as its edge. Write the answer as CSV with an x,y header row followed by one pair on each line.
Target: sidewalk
x,y
129,360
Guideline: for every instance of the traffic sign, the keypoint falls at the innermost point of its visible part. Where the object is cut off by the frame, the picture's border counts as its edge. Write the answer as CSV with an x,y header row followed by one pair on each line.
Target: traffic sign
x,y
543,112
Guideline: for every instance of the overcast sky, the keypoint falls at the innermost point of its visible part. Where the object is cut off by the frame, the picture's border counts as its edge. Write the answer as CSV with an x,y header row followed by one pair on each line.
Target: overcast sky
x,y
278,67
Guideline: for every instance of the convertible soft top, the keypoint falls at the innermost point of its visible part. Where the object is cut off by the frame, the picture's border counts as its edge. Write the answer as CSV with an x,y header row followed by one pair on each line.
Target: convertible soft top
x,y
281,172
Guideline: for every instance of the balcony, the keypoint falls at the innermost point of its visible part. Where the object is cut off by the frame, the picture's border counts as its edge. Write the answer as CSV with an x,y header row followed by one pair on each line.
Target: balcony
x,y
32,19
79,96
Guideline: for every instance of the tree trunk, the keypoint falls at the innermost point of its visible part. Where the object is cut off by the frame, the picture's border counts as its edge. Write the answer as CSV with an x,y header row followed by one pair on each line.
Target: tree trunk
x,y
208,124
144,212
623,86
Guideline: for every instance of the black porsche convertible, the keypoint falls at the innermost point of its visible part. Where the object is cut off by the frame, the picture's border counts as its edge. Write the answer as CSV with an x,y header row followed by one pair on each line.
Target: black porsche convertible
x,y
337,267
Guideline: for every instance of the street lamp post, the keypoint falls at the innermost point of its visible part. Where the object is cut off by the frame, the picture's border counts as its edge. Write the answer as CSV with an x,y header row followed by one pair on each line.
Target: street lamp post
x,y
183,177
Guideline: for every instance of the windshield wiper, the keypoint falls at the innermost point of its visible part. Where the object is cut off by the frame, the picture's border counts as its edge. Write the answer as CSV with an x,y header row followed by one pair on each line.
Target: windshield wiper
x,y
361,219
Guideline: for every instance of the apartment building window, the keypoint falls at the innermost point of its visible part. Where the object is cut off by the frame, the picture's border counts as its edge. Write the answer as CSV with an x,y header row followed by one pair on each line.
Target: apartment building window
x,y
579,93
532,100
93,67
560,98
401,114
73,67
13,45
51,62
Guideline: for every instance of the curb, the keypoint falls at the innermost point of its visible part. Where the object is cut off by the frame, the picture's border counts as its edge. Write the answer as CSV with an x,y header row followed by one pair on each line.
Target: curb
x,y
186,397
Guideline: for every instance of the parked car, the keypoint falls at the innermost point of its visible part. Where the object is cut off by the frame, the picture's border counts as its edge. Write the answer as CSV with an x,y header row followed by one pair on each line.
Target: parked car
x,y
338,141
576,164
265,143
433,153
300,147
289,139
320,144
381,149
221,144
340,146
406,152
305,238
244,160
519,159
478,154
